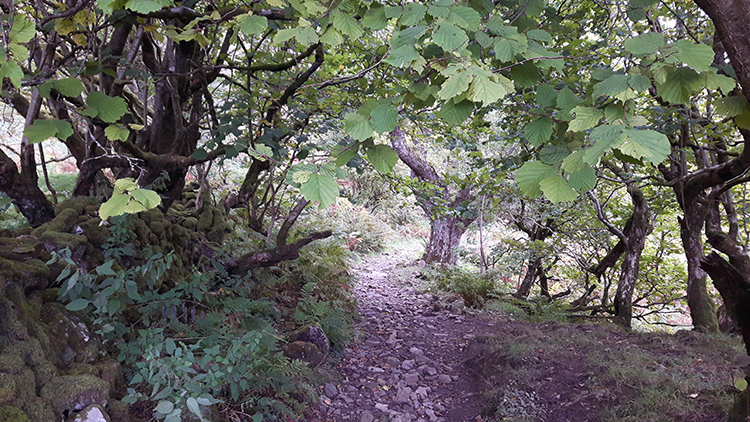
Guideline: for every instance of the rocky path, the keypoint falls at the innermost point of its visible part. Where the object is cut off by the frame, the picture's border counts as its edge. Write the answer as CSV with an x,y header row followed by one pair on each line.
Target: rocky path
x,y
408,362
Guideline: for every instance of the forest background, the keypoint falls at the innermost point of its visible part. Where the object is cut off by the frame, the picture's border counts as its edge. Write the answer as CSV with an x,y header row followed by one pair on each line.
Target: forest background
x,y
594,149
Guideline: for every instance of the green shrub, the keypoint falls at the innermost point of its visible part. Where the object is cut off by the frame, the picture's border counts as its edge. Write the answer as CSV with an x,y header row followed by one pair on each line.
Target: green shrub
x,y
474,288
357,228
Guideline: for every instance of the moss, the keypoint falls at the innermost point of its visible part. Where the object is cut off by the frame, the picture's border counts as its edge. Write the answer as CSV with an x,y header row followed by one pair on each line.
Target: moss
x,y
70,338
62,223
111,371
10,326
7,396
20,248
30,273
189,196
33,356
56,241
206,219
79,204
39,410
82,369
96,234
304,351
119,411
12,414
72,393
190,223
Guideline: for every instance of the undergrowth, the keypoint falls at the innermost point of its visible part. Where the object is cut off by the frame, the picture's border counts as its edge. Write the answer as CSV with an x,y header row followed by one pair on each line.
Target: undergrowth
x,y
208,347
474,288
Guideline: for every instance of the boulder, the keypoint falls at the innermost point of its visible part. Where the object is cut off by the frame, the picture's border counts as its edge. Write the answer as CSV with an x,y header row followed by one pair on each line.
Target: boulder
x,y
304,351
73,393
93,413
312,333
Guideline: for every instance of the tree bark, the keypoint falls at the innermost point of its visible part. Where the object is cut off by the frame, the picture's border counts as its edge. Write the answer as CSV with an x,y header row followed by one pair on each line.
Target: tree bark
x,y
445,235
24,193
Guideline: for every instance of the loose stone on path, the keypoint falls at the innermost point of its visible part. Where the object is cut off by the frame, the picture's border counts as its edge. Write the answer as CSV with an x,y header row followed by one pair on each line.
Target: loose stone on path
x,y
409,366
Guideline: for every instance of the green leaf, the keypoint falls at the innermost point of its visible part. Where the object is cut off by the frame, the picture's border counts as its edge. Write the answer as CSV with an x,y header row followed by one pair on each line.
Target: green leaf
x,y
164,407
539,131
605,138
731,106
455,85
586,118
146,197
332,37
611,86
357,126
69,87
343,154
12,71
147,6
124,185
253,25
680,85
574,162
567,99
284,35
301,176
384,118
557,190
347,25
485,91
507,48
647,144
531,174
454,114
307,36
743,120
106,268
553,154
546,96
465,17
539,35
413,14
525,75
583,180
107,108
18,52
42,129
698,56
375,18
647,43
533,7
192,406
77,305
382,157
449,37
321,188
117,132
403,56
639,83
714,81
741,384
22,30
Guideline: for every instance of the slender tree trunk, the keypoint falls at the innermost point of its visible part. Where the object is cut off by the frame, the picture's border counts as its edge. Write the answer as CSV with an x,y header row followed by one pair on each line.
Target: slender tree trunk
x,y
702,308
445,235
535,264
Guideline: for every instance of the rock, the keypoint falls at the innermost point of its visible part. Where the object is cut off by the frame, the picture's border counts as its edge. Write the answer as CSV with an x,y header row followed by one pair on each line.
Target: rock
x,y
478,346
331,390
411,379
304,351
93,413
312,334
382,407
403,394
408,364
445,379
367,416
71,393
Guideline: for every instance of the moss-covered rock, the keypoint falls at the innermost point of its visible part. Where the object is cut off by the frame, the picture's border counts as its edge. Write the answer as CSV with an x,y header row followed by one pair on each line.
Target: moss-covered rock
x,y
119,411
304,351
7,396
111,371
39,410
10,327
206,219
55,241
70,337
79,204
96,234
93,413
28,273
82,369
62,223
312,333
190,223
12,414
73,393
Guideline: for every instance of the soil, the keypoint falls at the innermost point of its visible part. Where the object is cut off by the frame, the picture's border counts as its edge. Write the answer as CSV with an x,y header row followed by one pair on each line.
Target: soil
x,y
423,358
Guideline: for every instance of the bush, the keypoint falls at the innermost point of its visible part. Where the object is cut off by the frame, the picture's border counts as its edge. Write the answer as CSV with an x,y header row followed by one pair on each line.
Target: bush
x,y
473,288
356,227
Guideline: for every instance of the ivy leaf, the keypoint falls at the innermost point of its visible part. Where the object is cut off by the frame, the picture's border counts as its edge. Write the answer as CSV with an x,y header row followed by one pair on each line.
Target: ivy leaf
x,y
651,145
557,190
456,113
384,118
455,85
680,85
612,86
605,138
643,44
382,157
486,91
586,118
321,188
539,131
698,56
107,108
253,25
583,180
22,30
117,132
531,174
357,126
449,37
42,129
403,56
147,6
347,25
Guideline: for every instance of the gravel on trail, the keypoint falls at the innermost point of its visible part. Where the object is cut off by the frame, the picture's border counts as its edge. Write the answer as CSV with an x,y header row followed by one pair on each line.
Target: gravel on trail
x,y
408,361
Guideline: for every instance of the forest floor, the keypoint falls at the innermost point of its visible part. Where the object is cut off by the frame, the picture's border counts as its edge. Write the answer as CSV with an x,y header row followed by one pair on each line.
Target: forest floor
x,y
419,357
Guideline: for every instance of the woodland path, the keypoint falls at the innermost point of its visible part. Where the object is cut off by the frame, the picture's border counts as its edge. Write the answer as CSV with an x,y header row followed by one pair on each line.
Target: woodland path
x,y
408,361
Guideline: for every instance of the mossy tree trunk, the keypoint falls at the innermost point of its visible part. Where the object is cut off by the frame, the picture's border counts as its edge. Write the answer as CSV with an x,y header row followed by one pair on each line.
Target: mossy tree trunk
x,y
538,232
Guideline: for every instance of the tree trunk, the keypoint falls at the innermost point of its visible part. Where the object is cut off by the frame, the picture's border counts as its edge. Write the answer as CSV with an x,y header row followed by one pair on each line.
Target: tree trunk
x,y
702,308
24,193
532,271
445,235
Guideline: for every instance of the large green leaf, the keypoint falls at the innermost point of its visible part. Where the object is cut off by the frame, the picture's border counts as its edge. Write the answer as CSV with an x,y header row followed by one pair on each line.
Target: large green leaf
x,y
612,86
553,154
539,35
680,85
117,132
557,190
531,174
583,180
382,157
455,85
485,91
605,138
147,6
332,37
647,144
253,24
454,114
12,71
639,83
403,56
307,36
586,118
375,18
347,25
42,129
148,198
714,81
22,30
574,162
321,188
525,75
465,17
357,126
546,96
344,153
647,43
539,131
567,99
413,14
69,87
449,37
698,56
107,108
731,106
507,48
384,118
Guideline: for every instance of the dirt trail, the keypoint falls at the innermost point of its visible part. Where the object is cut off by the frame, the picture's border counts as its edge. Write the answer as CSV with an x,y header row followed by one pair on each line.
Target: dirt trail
x,y
408,362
